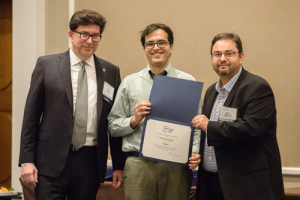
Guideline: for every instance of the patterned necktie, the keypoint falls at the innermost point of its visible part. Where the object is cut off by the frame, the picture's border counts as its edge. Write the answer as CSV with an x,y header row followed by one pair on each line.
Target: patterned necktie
x,y
81,109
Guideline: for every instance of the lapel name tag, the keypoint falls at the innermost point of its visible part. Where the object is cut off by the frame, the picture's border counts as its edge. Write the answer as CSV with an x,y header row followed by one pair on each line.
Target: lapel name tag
x,y
108,93
227,114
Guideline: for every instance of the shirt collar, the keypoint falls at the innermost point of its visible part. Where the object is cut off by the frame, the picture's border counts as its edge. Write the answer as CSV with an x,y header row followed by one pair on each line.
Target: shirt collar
x,y
74,60
166,70
229,85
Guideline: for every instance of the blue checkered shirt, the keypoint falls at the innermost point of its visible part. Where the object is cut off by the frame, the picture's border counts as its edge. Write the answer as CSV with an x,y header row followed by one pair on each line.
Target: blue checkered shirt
x,y
209,157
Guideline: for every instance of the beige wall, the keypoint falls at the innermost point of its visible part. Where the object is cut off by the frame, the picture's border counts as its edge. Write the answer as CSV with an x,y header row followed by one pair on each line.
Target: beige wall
x,y
56,26
269,31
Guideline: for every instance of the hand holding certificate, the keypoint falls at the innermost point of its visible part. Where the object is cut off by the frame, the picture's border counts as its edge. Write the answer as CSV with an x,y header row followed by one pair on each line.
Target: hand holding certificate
x,y
168,132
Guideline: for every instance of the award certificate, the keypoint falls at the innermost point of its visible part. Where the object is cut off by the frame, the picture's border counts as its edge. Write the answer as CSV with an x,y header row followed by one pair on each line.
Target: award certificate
x,y
167,141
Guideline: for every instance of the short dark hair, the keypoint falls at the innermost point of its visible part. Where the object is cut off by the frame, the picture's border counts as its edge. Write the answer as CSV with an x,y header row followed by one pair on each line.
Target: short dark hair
x,y
153,27
87,17
228,36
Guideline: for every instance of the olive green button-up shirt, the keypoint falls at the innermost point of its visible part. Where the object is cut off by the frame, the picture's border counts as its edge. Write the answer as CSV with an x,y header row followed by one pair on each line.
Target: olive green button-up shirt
x,y
133,89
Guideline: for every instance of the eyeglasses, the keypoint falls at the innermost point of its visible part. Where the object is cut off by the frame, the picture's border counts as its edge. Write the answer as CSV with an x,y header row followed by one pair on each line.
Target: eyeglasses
x,y
227,54
86,36
160,43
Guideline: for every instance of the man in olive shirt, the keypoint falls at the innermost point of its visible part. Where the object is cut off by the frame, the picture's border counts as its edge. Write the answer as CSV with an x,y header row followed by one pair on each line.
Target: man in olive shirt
x,y
146,179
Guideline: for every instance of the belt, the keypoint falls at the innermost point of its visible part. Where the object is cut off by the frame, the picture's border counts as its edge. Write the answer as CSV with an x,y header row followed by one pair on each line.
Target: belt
x,y
133,153
84,148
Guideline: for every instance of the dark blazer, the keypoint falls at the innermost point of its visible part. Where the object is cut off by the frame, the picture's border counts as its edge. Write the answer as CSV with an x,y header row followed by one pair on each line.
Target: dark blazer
x,y
247,153
48,117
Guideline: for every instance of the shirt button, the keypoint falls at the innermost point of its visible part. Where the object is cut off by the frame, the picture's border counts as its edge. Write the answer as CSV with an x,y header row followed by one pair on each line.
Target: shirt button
x,y
69,136
209,158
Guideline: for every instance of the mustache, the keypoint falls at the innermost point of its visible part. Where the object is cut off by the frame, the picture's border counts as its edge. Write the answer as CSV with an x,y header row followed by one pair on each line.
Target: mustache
x,y
223,64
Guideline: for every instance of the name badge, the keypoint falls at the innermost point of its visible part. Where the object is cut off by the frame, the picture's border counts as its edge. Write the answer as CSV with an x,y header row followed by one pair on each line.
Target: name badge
x,y
108,93
227,114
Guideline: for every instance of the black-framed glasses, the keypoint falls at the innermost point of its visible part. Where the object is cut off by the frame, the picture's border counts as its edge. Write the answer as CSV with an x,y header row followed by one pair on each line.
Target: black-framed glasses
x,y
86,36
227,54
160,43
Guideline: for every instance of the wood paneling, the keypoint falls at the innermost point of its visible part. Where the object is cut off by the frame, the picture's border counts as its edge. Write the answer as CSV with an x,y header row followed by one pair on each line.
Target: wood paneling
x,y
5,52
5,92
5,147
6,9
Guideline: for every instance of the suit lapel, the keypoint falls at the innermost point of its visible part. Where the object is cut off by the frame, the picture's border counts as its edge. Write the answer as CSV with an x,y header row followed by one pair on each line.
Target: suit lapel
x,y
100,74
209,102
65,72
235,87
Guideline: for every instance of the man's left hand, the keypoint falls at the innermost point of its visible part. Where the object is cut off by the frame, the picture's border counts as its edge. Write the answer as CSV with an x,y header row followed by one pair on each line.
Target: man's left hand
x,y
194,160
117,179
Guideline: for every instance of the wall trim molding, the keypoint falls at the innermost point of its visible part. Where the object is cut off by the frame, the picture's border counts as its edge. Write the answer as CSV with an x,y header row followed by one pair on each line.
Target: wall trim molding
x,y
290,171
109,164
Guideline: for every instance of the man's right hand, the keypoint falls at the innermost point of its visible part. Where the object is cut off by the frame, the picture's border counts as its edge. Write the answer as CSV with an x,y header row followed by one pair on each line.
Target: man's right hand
x,y
29,174
141,110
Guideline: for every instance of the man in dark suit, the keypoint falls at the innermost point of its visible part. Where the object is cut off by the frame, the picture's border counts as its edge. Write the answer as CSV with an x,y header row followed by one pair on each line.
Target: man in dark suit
x,y
239,149
64,140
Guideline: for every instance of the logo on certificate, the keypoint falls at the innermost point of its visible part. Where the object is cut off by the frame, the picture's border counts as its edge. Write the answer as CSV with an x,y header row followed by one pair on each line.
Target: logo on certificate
x,y
166,129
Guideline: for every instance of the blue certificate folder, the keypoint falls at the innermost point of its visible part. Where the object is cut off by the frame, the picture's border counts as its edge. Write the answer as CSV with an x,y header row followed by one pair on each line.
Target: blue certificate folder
x,y
176,101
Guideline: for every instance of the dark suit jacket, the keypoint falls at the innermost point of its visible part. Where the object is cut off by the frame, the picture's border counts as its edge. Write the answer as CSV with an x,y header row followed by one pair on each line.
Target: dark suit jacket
x,y
247,153
48,117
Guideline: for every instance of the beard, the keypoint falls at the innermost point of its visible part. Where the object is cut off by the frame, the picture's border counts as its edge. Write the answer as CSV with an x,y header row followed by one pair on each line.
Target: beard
x,y
224,72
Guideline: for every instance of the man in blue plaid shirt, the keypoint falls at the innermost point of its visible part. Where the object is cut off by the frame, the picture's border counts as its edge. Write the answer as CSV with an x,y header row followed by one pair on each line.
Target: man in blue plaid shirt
x,y
239,149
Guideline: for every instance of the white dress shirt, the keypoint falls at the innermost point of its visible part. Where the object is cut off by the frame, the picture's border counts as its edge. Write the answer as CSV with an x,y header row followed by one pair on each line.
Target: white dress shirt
x,y
91,137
